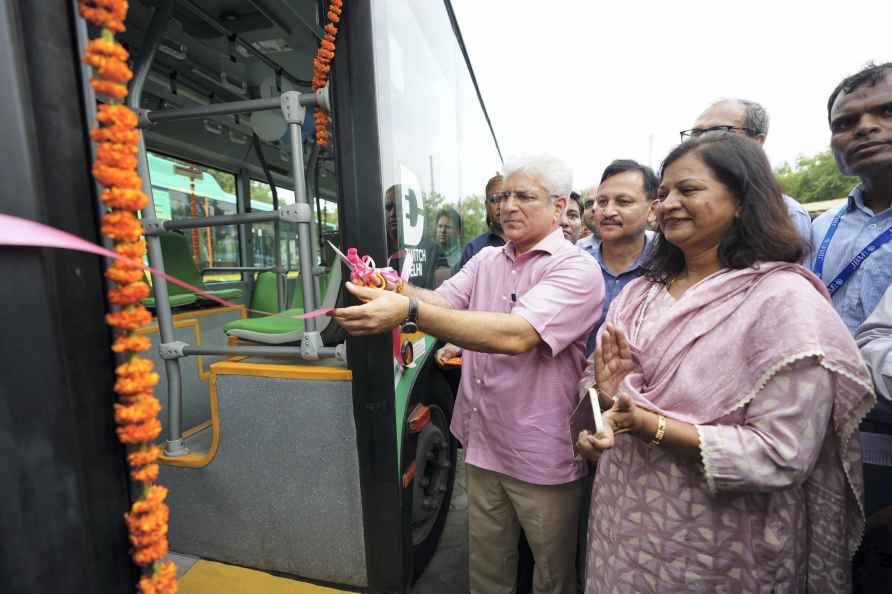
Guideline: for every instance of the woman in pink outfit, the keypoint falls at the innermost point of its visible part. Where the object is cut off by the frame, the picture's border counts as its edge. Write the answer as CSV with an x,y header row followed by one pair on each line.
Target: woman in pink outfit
x,y
730,462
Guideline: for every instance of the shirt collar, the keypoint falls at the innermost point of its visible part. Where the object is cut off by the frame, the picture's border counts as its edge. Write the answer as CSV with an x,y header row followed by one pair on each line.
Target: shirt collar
x,y
548,244
856,200
645,252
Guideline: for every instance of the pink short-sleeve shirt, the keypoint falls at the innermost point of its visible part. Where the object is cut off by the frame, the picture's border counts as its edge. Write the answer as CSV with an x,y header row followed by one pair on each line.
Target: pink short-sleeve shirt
x,y
511,414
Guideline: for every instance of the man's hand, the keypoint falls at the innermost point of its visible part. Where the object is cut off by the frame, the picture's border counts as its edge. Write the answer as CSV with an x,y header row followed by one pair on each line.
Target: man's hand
x,y
613,360
446,352
382,311
623,416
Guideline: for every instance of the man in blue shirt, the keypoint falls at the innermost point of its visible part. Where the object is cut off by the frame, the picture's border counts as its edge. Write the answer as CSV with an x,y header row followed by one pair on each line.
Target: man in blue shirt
x,y
623,202
853,256
494,235
750,119
860,115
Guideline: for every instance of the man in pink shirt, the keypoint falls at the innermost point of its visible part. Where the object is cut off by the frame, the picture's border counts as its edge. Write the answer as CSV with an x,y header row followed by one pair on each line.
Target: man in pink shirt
x,y
522,313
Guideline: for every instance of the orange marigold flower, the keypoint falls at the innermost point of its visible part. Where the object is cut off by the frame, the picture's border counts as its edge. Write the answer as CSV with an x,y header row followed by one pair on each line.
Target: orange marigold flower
x,y
113,176
334,17
143,456
122,225
129,319
115,134
118,155
331,29
109,14
151,502
134,250
150,554
108,88
133,343
148,523
146,474
143,408
104,47
136,383
134,366
162,581
120,116
110,69
128,294
125,199
324,53
139,433
123,275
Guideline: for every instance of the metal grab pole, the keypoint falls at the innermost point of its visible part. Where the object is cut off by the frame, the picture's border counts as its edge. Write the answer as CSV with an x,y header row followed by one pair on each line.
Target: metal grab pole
x,y
222,220
214,109
294,114
175,445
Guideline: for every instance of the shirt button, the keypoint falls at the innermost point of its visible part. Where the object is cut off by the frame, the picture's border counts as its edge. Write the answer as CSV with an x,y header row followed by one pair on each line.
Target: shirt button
x,y
478,382
475,409
513,272
872,226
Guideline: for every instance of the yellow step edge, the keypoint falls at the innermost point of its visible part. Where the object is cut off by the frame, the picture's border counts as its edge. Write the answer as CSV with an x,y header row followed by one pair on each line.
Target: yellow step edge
x,y
210,577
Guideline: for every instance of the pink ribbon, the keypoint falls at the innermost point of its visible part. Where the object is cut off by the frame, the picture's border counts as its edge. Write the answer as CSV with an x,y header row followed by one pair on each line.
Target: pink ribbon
x,y
22,232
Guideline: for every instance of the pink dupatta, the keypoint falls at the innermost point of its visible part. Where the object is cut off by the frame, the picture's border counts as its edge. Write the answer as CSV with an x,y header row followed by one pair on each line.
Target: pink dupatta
x,y
721,343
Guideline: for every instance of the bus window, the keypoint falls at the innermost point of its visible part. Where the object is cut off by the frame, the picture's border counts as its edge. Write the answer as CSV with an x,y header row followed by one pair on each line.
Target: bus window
x,y
437,151
264,233
183,190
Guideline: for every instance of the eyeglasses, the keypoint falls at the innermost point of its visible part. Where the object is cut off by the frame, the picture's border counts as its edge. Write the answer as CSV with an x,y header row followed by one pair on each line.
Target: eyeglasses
x,y
521,196
697,132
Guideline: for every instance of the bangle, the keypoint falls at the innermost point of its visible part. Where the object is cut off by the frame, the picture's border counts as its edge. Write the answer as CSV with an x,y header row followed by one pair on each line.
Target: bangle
x,y
661,431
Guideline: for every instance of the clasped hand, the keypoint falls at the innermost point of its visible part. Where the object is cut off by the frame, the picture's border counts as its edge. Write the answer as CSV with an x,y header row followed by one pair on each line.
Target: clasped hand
x,y
613,362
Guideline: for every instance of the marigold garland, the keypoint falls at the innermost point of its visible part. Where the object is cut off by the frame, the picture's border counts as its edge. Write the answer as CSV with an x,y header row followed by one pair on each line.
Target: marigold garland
x,y
322,66
136,412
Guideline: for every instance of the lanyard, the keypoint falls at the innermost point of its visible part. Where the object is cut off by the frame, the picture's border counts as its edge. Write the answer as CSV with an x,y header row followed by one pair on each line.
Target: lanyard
x,y
855,263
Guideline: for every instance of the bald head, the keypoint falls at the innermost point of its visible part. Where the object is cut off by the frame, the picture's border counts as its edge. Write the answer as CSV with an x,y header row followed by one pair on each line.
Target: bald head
x,y
747,117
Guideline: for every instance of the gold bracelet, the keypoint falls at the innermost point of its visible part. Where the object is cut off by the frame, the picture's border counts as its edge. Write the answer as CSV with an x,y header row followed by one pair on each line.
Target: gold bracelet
x,y
661,431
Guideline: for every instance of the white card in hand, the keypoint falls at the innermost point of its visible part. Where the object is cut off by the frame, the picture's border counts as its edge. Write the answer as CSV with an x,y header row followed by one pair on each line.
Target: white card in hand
x,y
596,410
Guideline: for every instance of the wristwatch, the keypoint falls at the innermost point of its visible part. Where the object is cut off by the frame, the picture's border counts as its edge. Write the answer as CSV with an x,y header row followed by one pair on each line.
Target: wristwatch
x,y
410,325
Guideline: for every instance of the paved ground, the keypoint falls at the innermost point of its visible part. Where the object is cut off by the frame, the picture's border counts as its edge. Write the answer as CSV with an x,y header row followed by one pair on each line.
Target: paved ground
x,y
447,572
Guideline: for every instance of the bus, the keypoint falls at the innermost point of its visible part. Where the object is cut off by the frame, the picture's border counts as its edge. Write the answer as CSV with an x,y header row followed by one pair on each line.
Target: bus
x,y
292,452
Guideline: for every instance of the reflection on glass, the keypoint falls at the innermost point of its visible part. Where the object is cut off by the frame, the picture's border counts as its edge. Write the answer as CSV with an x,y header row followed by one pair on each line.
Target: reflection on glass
x,y
437,151
183,190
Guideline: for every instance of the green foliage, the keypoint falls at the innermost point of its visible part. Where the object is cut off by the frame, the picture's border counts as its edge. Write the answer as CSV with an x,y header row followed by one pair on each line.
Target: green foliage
x,y
813,179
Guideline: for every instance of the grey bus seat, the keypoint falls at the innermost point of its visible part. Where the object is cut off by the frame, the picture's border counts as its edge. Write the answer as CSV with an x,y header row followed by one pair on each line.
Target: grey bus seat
x,y
279,330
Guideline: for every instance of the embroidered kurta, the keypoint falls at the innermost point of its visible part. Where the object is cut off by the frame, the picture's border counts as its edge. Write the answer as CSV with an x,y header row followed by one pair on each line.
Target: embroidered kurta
x,y
662,524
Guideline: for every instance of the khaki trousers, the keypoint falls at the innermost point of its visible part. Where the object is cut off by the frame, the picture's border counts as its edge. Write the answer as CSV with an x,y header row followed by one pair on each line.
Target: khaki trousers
x,y
498,506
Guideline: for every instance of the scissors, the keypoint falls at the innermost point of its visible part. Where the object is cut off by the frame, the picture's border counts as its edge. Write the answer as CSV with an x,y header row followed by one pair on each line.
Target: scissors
x,y
363,270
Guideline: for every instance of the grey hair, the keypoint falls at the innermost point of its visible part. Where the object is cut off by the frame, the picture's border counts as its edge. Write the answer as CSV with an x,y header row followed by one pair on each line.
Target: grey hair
x,y
755,117
552,173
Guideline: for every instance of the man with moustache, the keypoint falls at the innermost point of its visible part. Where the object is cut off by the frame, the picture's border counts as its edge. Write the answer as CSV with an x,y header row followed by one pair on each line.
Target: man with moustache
x,y
623,203
853,244
750,119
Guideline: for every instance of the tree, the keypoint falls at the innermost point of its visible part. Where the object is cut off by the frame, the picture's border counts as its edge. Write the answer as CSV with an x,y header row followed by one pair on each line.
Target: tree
x,y
815,178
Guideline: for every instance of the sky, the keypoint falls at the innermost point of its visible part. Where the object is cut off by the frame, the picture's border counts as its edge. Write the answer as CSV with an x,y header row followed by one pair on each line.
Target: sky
x,y
595,81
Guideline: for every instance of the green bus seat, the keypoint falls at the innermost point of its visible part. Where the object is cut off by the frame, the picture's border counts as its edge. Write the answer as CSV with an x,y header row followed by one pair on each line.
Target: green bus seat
x,y
178,263
264,296
278,330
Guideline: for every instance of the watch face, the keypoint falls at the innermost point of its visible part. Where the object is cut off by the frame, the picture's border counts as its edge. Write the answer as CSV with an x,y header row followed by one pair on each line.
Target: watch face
x,y
407,353
410,328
